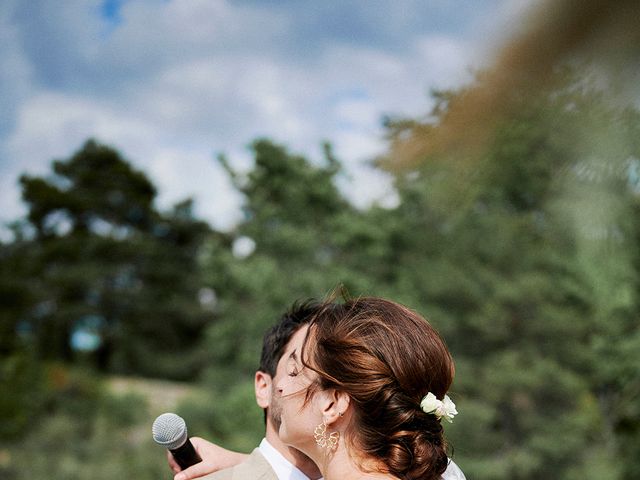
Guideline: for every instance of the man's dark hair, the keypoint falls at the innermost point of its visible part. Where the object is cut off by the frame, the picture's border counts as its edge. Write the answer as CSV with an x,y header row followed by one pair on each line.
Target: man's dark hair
x,y
276,338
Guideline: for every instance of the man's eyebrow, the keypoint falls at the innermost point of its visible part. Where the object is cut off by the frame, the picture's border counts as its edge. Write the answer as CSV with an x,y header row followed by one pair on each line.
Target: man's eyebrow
x,y
293,355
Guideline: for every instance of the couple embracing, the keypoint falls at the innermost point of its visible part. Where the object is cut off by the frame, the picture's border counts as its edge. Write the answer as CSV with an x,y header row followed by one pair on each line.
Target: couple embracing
x,y
351,390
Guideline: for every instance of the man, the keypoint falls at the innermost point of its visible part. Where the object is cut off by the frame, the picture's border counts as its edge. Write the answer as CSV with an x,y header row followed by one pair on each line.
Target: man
x,y
272,460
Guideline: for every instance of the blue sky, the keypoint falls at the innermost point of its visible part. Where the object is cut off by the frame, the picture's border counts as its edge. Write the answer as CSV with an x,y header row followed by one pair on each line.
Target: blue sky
x,y
172,83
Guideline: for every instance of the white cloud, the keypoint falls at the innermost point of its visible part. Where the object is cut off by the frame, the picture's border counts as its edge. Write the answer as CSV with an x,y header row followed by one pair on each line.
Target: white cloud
x,y
177,81
497,25
356,112
153,34
447,59
58,125
15,68
181,173
51,125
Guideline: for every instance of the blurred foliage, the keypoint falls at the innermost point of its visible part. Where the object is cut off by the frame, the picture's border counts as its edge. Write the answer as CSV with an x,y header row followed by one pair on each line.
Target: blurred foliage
x,y
95,261
84,432
529,270
524,255
233,416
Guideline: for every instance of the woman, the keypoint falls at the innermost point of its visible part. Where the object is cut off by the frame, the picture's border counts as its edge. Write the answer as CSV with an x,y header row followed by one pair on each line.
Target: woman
x,y
365,393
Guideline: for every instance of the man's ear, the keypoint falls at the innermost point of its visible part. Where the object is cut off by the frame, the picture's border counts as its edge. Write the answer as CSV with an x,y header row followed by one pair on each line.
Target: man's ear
x,y
334,405
263,384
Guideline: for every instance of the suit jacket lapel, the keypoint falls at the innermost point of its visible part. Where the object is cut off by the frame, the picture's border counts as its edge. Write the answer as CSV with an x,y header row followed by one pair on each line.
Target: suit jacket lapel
x,y
256,467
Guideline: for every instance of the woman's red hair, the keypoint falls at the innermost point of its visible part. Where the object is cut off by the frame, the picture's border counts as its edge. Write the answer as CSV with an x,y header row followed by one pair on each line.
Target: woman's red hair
x,y
386,357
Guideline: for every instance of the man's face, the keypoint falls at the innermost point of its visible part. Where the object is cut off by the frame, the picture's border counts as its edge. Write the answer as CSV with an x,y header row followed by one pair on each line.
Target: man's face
x,y
275,403
299,415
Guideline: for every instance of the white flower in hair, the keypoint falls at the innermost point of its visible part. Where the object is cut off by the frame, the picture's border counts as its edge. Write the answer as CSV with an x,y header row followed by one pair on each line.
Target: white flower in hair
x,y
430,403
444,408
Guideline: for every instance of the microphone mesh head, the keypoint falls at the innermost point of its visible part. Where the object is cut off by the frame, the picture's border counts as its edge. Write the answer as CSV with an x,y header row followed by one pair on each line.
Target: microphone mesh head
x,y
169,430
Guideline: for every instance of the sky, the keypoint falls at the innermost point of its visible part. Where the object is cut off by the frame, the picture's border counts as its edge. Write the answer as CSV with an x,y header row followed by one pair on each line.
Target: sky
x,y
173,83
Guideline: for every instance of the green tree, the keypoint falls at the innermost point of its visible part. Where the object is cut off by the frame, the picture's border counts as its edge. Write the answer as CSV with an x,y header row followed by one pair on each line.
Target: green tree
x,y
299,229
104,265
496,250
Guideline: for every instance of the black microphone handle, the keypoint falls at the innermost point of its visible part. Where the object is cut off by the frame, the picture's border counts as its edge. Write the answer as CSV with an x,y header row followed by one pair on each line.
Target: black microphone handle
x,y
186,455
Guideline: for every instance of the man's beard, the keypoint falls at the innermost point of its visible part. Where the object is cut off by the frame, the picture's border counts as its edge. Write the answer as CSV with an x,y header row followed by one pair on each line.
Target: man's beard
x,y
275,412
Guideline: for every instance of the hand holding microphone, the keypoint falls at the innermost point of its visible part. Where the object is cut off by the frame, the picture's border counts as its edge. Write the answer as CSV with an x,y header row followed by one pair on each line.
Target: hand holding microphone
x,y
170,431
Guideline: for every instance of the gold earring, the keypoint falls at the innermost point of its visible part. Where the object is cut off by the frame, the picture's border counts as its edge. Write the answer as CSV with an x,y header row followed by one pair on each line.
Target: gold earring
x,y
330,442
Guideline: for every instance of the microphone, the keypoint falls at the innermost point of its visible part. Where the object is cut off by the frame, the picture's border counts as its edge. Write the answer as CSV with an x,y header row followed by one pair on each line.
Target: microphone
x,y
170,431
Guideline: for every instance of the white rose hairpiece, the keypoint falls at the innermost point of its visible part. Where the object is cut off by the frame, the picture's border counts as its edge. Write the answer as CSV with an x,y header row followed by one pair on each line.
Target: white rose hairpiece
x,y
444,408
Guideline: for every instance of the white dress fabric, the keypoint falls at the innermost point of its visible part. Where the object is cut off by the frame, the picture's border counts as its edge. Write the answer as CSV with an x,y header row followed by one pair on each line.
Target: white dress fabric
x,y
453,472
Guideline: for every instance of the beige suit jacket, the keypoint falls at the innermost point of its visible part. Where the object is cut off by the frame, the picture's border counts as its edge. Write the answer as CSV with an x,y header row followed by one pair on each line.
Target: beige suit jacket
x,y
255,467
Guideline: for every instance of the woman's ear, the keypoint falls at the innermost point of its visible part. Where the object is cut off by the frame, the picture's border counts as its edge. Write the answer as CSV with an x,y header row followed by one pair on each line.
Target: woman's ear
x,y
263,384
334,405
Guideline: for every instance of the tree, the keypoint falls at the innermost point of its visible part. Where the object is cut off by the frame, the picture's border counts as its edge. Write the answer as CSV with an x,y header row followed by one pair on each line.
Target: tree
x,y
105,271
293,214
496,249
299,229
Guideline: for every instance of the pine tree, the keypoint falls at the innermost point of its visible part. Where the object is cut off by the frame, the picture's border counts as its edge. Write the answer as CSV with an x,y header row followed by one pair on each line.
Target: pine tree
x,y
104,265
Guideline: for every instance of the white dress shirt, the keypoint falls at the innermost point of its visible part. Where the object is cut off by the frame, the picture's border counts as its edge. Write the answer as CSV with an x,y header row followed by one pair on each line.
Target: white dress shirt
x,y
283,468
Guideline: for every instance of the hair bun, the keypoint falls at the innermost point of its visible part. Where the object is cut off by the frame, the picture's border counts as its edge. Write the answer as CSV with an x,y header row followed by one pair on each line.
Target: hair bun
x,y
419,452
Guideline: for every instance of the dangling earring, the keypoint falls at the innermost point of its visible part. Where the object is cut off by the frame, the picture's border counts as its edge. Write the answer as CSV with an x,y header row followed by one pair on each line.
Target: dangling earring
x,y
330,442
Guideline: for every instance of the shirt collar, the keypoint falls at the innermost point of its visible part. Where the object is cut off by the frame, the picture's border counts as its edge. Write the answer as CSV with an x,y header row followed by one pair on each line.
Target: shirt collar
x,y
283,468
